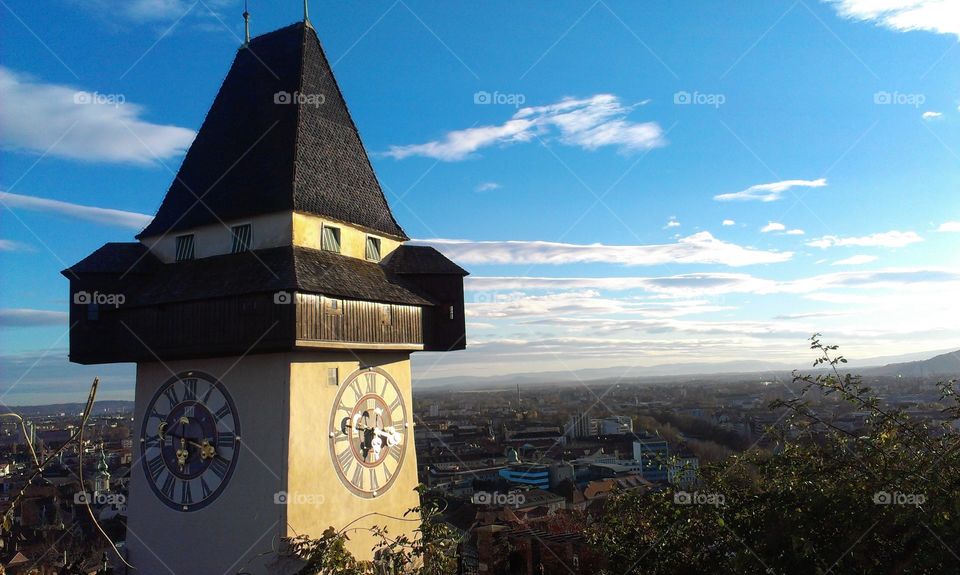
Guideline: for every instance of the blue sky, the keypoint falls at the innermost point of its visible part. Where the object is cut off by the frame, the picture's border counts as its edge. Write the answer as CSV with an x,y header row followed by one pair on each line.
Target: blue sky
x,y
629,183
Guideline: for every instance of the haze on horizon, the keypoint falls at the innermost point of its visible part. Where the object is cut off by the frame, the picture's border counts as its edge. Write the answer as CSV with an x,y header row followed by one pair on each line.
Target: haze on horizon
x,y
623,192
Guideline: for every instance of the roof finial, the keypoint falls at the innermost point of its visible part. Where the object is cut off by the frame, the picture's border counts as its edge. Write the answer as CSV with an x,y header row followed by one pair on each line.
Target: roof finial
x,y
246,25
306,13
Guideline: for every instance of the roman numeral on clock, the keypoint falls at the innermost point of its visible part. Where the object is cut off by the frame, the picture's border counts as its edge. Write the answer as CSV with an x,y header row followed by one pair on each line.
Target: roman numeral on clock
x,y
222,412
371,382
345,459
190,389
205,490
219,466
358,477
226,439
171,394
186,497
374,484
168,485
155,467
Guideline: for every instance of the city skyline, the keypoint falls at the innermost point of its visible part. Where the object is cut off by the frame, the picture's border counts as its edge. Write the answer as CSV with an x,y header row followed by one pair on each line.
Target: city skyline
x,y
622,193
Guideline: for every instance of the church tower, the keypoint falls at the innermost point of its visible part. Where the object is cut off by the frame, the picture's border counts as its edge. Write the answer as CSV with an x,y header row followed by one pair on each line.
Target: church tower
x,y
271,307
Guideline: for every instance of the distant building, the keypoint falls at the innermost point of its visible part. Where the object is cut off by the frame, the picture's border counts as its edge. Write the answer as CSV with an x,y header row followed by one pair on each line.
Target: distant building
x,y
613,425
101,479
578,426
684,471
532,474
653,455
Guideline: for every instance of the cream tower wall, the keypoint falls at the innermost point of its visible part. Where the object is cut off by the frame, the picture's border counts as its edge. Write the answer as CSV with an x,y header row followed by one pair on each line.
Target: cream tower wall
x,y
284,404
311,476
270,231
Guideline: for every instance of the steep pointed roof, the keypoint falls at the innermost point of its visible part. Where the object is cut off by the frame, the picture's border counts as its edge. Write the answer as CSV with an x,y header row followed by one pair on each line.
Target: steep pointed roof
x,y
256,154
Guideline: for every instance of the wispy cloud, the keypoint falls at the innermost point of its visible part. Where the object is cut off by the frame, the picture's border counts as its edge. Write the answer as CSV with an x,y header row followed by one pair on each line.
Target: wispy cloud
x,y
588,123
795,232
891,239
773,227
719,283
769,192
699,248
672,223
855,260
487,187
729,223
104,216
949,227
940,16
12,246
70,123
31,317
150,11
932,115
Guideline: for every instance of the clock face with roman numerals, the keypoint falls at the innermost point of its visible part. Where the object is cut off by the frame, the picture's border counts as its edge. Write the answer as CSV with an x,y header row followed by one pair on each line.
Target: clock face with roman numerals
x,y
368,432
190,440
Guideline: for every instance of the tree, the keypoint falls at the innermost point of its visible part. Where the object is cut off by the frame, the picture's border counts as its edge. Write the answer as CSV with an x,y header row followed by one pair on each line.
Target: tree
x,y
827,500
431,551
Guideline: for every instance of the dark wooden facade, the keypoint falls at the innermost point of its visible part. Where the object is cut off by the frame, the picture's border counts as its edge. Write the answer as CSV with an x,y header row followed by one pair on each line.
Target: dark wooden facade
x,y
321,319
253,323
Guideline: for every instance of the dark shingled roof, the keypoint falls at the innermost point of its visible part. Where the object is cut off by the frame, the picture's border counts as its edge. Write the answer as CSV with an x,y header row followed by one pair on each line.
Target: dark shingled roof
x,y
260,271
409,259
115,258
254,156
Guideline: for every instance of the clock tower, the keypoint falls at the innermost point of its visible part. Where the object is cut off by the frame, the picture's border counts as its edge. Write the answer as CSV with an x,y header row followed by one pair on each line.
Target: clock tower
x,y
271,307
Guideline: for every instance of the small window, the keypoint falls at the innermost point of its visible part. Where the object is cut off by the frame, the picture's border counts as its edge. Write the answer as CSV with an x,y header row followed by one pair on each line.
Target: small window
x,y
373,249
185,248
330,240
452,312
333,376
332,306
386,316
242,237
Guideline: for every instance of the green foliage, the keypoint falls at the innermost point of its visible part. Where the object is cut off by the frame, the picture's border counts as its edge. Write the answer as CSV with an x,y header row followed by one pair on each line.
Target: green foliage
x,y
431,551
882,499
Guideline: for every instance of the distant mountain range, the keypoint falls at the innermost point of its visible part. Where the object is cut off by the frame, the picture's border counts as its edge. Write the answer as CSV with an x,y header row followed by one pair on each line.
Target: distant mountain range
x,y
947,363
100,407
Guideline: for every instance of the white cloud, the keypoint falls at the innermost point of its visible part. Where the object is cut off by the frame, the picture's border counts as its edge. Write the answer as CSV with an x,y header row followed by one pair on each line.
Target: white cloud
x,y
719,283
672,223
69,123
12,246
770,192
773,227
699,248
891,239
855,260
104,216
932,115
949,227
31,317
588,123
797,232
487,187
940,16
729,223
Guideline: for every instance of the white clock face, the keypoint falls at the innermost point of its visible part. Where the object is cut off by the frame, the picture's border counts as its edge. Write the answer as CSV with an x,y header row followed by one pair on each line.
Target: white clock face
x,y
190,440
368,432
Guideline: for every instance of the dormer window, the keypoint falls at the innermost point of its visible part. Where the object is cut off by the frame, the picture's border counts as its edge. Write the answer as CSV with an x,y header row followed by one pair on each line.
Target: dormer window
x,y
184,247
330,239
242,238
373,249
